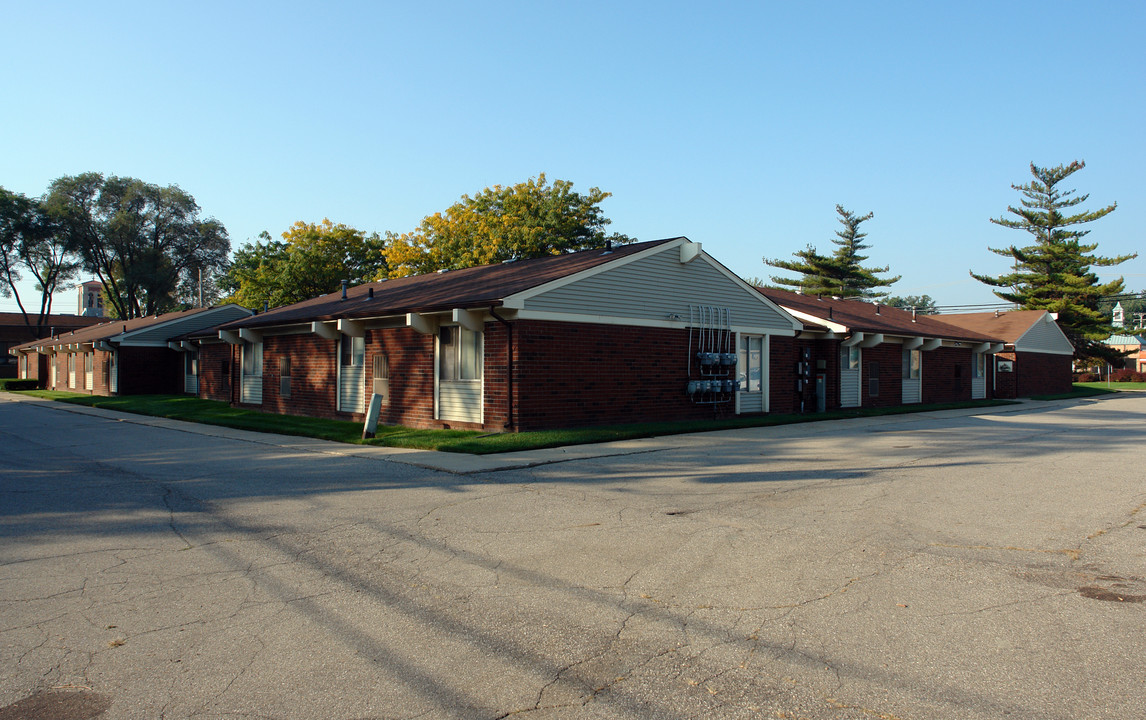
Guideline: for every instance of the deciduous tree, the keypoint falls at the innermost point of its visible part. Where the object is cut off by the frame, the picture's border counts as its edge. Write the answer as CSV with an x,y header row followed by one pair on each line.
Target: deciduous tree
x,y
526,220
30,241
138,238
311,260
1054,273
922,304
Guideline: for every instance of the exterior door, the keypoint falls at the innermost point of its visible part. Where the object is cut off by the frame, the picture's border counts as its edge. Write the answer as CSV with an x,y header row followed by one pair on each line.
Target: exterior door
x,y
850,358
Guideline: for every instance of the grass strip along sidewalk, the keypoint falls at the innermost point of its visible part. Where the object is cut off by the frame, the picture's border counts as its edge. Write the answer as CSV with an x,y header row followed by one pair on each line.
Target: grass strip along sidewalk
x,y
212,412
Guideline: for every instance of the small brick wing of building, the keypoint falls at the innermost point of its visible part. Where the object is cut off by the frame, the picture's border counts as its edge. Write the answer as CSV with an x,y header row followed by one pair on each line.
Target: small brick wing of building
x,y
1037,357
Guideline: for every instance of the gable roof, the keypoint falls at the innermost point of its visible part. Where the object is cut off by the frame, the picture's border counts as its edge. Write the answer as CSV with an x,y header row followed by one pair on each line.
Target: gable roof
x,y
1007,326
859,315
481,286
1138,340
1025,330
137,331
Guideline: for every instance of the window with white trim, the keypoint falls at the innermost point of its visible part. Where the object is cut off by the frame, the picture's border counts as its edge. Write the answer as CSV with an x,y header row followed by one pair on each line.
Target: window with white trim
x,y
912,361
459,354
353,352
850,357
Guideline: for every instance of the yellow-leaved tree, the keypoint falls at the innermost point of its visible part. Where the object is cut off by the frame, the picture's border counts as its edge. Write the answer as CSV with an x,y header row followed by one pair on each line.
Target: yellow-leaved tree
x,y
526,220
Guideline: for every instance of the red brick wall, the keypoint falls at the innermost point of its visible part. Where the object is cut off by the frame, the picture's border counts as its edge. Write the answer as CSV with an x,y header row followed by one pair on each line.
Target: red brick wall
x,y
411,358
147,371
314,375
946,375
215,371
1005,384
1042,374
889,358
570,375
786,352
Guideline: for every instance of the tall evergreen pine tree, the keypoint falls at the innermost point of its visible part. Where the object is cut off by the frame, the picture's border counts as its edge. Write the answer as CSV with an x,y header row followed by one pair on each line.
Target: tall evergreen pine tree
x,y
1054,274
841,273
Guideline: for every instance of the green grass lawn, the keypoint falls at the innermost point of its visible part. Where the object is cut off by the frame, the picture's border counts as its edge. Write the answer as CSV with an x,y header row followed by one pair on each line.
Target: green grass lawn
x,y
211,412
1103,385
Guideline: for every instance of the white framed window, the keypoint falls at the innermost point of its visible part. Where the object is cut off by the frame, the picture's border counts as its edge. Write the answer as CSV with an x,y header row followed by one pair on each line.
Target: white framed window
x,y
89,369
252,359
751,364
459,354
850,357
980,370
912,361
353,352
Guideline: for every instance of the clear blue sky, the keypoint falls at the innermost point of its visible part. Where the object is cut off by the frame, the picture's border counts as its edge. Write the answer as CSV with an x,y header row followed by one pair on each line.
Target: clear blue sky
x,y
739,125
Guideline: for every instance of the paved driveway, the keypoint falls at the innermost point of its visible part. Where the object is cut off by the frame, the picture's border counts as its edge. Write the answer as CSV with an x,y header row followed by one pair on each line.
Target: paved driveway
x,y
946,565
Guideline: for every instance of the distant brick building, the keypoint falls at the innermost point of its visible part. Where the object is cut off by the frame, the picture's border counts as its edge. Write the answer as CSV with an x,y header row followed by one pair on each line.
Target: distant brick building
x,y
14,330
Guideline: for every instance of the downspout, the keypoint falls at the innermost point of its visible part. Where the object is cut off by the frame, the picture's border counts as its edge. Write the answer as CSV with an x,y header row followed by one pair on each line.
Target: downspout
x,y
508,364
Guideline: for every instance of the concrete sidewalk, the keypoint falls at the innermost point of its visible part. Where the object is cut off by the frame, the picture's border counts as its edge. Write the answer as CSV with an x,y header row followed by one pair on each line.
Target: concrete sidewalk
x,y
466,464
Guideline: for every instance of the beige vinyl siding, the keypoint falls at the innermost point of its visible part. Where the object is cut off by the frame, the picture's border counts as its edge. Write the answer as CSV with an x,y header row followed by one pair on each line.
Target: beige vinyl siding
x,y
459,401
850,380
1044,337
978,388
655,287
911,390
751,402
352,389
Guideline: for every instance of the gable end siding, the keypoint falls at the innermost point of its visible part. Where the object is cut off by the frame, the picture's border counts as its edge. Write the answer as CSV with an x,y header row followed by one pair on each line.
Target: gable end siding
x,y
163,332
657,286
1044,337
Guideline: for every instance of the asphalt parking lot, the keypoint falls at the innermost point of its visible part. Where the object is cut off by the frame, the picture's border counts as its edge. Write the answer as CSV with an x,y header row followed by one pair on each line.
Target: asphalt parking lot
x,y
941,565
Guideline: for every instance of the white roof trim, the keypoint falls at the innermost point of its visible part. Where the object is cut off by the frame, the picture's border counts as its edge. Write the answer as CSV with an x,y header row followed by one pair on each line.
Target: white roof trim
x,y
639,322
517,300
830,325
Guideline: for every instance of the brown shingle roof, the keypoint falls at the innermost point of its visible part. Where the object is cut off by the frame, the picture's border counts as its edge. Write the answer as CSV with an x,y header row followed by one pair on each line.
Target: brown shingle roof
x,y
68,321
1006,326
110,329
869,317
466,288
